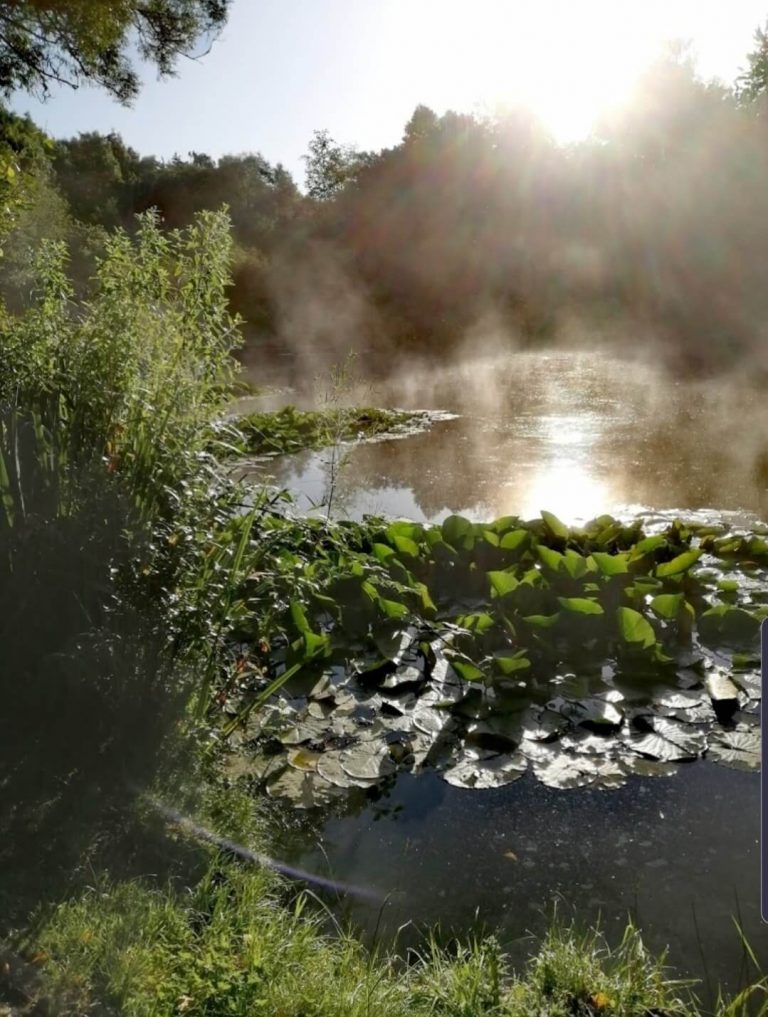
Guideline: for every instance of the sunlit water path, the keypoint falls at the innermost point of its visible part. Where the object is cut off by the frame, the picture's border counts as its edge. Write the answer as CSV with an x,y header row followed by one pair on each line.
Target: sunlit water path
x,y
577,435
573,433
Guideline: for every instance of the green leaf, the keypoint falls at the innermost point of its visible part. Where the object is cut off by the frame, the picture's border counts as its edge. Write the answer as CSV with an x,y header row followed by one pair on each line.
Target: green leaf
x,y
392,609
542,621
456,529
405,545
668,605
512,540
679,564
491,538
508,665
467,670
610,564
427,604
383,552
299,617
634,628
552,559
581,605
576,565
478,622
503,583
555,526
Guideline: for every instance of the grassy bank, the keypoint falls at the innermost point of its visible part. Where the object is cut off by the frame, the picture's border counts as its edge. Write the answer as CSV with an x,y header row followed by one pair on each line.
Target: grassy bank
x,y
239,943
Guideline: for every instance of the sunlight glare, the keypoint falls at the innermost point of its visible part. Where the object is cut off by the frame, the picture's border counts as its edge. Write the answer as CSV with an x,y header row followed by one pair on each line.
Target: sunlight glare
x,y
568,63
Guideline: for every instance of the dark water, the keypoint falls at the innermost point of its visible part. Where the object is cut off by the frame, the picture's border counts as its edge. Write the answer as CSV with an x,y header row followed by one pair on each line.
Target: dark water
x,y
569,432
580,436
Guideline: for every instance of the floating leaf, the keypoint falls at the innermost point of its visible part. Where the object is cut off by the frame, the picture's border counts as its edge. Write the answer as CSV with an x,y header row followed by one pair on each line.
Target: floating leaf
x,y
610,564
497,771
511,541
555,526
679,564
368,760
503,583
581,605
739,748
720,687
668,605
634,627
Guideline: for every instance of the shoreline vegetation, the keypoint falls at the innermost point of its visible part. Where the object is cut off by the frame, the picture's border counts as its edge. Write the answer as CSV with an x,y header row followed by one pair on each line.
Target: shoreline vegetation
x,y
144,619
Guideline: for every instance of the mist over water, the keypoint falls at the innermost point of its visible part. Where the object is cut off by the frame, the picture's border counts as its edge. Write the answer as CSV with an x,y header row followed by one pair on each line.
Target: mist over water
x,y
574,432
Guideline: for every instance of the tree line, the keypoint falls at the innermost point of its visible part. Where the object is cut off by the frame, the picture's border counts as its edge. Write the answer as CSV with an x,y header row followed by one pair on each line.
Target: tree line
x,y
471,231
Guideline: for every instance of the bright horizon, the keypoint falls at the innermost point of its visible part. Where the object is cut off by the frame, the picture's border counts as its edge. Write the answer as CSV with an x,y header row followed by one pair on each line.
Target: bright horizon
x,y
359,68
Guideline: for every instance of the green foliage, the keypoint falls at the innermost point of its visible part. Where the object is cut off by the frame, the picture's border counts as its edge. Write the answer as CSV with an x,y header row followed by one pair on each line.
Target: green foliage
x,y
75,42
229,945
291,429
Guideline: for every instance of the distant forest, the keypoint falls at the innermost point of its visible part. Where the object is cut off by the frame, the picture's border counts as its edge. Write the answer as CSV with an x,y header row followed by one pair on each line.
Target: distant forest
x,y
472,233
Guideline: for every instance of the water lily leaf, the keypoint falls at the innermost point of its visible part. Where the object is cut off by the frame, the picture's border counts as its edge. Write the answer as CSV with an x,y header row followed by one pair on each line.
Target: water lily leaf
x,y
329,767
555,526
427,604
653,745
668,605
456,530
720,687
565,771
468,671
301,787
739,748
430,721
552,559
383,552
587,742
541,724
303,759
581,605
367,760
679,564
497,771
503,583
542,621
575,564
478,622
508,665
643,767
392,643
403,676
392,609
634,627
729,625
647,546
512,540
405,545
610,564
609,774
596,712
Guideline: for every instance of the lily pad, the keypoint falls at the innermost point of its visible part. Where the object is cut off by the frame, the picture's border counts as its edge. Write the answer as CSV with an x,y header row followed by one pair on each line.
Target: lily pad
x,y
496,771
739,748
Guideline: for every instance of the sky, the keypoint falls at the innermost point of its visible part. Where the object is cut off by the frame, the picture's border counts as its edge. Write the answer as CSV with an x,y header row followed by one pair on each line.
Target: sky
x,y
284,68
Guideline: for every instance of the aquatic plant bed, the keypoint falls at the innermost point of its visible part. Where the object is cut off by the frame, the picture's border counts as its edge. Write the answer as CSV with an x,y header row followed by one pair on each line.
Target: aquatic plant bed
x,y
484,651
291,429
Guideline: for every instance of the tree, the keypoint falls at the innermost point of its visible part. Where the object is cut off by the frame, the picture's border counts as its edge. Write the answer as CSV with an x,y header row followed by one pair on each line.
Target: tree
x,y
330,166
753,82
74,42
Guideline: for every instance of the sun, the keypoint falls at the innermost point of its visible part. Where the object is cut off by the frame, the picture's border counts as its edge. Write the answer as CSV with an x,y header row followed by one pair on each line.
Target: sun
x,y
567,62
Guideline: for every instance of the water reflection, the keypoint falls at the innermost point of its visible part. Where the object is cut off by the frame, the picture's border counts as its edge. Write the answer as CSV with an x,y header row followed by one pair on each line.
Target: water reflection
x,y
574,433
